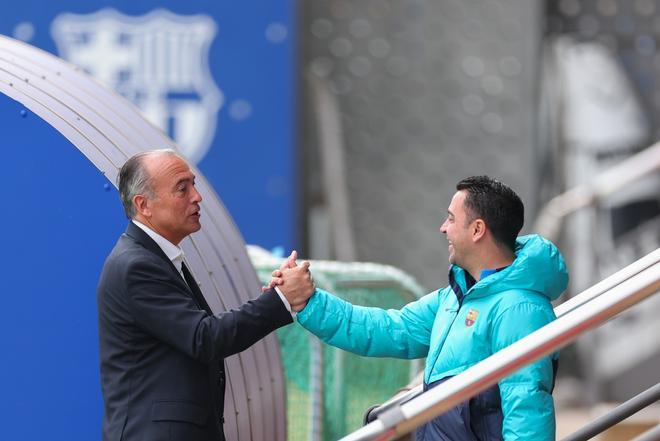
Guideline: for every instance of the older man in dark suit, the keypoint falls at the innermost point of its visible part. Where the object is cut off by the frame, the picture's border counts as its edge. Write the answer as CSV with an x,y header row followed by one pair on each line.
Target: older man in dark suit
x,y
162,349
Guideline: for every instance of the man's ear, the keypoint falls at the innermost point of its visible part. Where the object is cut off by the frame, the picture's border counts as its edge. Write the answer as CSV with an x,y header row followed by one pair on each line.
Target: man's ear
x,y
478,229
141,204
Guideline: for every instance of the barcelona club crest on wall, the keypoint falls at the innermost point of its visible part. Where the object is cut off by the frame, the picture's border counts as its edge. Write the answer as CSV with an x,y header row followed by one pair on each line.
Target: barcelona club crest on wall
x,y
159,61
471,317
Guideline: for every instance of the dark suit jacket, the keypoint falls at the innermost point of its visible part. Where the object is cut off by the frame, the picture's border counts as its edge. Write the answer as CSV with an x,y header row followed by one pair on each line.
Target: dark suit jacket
x,y
162,355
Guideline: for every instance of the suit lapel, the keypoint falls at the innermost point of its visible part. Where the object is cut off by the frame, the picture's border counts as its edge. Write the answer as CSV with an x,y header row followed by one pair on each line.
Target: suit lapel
x,y
136,233
197,293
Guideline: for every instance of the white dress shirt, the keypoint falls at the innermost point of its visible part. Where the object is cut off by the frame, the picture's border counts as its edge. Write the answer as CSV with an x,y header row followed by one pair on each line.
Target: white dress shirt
x,y
176,256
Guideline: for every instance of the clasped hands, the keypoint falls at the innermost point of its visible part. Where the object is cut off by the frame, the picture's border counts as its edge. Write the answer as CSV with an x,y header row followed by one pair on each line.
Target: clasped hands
x,y
294,281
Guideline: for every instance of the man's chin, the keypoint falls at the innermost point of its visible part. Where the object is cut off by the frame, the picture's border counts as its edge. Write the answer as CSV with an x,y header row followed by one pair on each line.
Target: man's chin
x,y
195,227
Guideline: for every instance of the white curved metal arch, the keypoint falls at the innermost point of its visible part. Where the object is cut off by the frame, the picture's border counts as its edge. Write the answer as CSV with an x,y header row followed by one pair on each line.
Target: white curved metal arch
x,y
108,129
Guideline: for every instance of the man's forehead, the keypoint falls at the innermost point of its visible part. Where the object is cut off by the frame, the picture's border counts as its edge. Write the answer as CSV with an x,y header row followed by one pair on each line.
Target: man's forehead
x,y
456,201
168,166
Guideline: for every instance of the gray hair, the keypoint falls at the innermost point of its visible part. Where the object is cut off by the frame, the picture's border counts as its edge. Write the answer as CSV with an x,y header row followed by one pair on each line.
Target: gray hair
x,y
133,179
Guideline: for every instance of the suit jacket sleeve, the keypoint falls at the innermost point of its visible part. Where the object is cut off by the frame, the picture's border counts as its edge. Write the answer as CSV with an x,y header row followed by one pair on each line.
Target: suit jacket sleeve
x,y
163,308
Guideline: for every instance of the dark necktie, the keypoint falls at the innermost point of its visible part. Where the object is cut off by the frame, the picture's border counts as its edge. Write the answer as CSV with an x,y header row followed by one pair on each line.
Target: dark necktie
x,y
197,294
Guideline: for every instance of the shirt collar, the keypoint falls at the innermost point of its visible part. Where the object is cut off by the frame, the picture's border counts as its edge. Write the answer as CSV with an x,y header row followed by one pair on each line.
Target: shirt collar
x,y
173,252
489,271
470,282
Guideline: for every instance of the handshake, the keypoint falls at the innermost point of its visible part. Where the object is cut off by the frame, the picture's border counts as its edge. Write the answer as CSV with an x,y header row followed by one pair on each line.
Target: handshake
x,y
294,281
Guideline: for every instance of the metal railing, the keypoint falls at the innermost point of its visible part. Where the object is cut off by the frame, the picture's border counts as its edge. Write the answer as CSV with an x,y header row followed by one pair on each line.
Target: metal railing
x,y
401,419
616,415
550,219
569,305
650,435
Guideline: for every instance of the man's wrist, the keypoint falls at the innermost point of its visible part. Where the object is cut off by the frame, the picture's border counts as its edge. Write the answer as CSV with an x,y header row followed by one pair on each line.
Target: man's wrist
x,y
285,301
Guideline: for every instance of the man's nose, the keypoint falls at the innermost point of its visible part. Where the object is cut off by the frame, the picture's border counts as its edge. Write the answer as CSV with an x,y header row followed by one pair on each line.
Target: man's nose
x,y
443,229
197,197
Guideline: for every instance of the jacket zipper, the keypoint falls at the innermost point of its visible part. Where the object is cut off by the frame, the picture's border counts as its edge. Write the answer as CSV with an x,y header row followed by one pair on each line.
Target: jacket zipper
x,y
460,304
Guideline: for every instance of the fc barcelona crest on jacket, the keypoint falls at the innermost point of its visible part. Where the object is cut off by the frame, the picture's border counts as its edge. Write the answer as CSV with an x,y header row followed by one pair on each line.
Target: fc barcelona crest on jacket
x,y
471,317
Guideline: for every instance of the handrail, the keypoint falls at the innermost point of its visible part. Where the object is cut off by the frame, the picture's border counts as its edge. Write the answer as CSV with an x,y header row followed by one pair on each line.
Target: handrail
x,y
402,419
608,283
549,221
616,415
652,434
567,306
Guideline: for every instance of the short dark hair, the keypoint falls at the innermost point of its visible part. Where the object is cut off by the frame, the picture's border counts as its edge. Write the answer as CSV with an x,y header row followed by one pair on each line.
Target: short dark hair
x,y
498,205
133,179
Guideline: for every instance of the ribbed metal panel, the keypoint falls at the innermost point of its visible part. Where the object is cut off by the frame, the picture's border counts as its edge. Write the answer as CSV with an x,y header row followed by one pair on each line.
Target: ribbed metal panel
x,y
107,129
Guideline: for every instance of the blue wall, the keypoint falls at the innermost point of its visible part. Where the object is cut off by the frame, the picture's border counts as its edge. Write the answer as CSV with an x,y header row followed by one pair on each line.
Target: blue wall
x,y
60,216
251,161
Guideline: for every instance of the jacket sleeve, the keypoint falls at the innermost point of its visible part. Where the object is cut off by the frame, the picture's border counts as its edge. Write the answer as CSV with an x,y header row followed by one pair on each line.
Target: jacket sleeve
x,y
160,306
527,404
372,332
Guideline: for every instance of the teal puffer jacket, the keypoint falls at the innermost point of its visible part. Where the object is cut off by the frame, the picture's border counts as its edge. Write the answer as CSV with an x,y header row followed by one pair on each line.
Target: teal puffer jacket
x,y
455,328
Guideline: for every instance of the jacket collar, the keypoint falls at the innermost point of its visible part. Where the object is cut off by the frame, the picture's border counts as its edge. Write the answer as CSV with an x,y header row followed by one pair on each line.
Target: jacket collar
x,y
173,252
136,233
538,267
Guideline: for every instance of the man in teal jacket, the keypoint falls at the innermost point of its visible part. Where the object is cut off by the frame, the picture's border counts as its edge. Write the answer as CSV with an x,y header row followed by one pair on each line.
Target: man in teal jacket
x,y
500,288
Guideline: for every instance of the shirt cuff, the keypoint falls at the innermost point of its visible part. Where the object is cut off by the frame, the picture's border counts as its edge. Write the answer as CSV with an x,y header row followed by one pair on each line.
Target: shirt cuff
x,y
285,301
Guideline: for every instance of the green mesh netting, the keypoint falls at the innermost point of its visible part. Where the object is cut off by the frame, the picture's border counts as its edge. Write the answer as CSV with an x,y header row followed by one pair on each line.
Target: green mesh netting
x,y
350,383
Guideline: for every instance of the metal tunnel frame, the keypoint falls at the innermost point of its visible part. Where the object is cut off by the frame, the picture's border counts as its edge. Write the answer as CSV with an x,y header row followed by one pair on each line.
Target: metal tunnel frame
x,y
108,129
